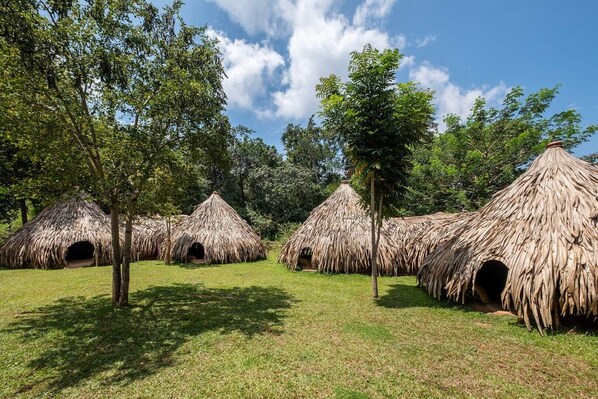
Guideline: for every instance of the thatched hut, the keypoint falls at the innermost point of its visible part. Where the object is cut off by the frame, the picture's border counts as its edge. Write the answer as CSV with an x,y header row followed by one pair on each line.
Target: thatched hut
x,y
336,238
215,233
73,233
533,248
147,236
415,237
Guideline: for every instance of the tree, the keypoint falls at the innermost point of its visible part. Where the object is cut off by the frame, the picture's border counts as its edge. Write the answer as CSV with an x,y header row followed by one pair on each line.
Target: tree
x,y
131,85
592,158
249,153
310,148
462,168
378,121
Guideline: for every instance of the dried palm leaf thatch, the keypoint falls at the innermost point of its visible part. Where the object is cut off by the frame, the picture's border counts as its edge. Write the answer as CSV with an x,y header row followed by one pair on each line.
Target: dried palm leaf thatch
x,y
416,237
44,241
162,235
543,229
222,234
148,233
337,238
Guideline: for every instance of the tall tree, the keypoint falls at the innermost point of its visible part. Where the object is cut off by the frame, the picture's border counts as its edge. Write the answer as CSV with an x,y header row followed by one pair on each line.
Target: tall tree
x,y
131,84
378,120
462,168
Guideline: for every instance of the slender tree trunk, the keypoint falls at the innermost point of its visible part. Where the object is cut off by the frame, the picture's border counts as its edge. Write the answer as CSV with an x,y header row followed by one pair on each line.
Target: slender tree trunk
x,y
168,243
116,253
374,246
126,266
23,205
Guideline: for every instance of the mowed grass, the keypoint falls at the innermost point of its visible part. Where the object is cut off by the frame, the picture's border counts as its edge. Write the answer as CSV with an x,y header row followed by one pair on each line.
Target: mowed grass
x,y
258,330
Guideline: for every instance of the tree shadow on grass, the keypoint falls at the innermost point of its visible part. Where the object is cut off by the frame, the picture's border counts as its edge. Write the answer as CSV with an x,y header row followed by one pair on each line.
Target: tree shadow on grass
x,y
408,296
83,337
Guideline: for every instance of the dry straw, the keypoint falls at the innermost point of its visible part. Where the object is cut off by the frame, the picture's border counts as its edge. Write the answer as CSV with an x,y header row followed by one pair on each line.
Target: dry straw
x,y
224,235
148,234
338,233
415,237
544,228
43,242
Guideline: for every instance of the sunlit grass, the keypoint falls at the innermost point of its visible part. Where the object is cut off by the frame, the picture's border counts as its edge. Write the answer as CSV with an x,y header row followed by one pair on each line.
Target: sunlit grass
x,y
258,330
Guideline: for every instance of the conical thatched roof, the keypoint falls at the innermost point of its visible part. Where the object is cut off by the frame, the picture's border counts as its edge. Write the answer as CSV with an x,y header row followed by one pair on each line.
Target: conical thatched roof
x,y
44,241
338,232
415,237
544,229
224,235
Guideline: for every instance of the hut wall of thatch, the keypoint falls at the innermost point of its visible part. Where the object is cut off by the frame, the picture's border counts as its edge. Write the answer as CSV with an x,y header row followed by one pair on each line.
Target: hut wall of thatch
x,y
338,236
44,241
222,234
543,229
416,237
147,236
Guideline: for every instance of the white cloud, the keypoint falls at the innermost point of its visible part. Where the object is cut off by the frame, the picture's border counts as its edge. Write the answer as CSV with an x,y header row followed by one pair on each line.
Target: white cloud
x,y
372,9
450,98
249,67
425,41
320,45
255,15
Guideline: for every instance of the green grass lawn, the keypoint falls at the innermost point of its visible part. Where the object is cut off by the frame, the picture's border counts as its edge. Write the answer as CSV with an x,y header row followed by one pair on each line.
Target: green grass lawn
x,y
259,330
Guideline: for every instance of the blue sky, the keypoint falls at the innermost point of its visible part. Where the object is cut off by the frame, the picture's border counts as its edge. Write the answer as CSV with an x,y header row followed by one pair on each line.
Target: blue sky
x,y
276,50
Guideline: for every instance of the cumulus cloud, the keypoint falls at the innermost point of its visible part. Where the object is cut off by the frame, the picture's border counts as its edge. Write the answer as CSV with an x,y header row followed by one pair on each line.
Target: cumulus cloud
x,y
372,9
319,46
255,15
249,67
450,98
320,41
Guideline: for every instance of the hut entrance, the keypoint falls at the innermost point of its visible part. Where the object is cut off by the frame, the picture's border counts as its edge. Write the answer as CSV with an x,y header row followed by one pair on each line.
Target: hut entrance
x,y
196,253
80,254
304,261
490,281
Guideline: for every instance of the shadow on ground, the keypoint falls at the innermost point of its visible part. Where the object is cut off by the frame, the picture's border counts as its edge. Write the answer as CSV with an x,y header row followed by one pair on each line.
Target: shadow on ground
x,y
83,337
409,296
402,296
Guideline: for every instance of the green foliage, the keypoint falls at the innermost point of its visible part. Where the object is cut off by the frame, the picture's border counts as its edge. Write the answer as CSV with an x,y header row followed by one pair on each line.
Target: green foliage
x,y
377,120
311,148
462,168
592,158
129,83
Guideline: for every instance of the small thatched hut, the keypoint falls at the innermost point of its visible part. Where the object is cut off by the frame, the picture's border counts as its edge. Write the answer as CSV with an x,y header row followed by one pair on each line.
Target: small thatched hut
x,y
534,247
148,233
336,238
73,233
415,237
215,233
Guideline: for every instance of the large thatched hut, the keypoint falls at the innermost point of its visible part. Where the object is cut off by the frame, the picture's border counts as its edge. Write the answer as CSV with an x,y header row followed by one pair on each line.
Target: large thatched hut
x,y
71,233
336,238
415,237
215,233
534,247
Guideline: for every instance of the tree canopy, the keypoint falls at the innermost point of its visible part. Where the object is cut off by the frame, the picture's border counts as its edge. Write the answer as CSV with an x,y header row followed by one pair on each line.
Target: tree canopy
x,y
463,167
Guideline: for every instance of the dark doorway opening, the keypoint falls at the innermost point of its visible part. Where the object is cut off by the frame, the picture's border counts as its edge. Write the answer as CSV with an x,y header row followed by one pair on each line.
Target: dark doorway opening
x,y
196,253
304,262
490,281
80,254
